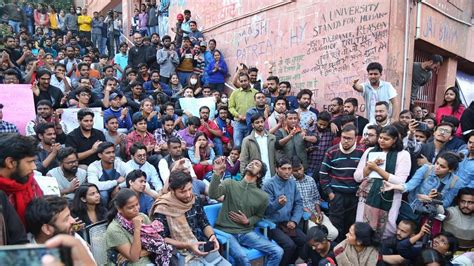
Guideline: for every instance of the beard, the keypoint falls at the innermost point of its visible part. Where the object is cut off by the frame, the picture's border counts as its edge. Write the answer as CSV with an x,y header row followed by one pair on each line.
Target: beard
x,y
18,177
303,105
380,118
71,171
58,231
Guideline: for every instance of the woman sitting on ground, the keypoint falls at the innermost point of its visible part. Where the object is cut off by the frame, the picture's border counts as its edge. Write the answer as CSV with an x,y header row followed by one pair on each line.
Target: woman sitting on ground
x,y
359,248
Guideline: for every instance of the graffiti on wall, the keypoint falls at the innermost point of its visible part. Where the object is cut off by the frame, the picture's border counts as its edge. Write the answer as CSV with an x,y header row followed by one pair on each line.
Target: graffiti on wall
x,y
320,45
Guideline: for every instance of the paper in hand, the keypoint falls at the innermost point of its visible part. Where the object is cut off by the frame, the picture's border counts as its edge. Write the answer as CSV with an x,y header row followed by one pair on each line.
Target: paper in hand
x,y
374,156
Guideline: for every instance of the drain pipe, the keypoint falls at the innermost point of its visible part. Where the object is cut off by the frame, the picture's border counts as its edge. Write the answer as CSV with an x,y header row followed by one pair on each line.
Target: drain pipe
x,y
418,19
405,53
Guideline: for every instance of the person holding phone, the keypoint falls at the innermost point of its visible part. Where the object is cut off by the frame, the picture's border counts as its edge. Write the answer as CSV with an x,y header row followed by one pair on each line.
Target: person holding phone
x,y
185,224
436,181
50,216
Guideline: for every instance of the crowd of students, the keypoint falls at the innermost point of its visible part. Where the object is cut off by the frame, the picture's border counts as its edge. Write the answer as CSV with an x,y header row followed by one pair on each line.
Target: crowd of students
x,y
341,188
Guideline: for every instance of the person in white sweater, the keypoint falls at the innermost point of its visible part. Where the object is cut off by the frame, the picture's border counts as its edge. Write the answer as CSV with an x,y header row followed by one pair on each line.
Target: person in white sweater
x,y
107,173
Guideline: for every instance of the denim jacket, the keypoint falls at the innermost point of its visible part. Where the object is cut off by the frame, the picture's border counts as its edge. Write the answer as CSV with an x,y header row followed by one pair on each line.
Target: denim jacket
x,y
423,183
292,210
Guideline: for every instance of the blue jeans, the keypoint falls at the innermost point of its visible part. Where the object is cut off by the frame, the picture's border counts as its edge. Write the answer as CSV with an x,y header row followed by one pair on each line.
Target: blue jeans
x,y
15,25
117,42
240,132
105,196
152,29
96,40
256,241
102,45
219,146
183,77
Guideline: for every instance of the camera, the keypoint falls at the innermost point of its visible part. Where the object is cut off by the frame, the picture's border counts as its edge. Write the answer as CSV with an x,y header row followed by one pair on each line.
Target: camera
x,y
429,209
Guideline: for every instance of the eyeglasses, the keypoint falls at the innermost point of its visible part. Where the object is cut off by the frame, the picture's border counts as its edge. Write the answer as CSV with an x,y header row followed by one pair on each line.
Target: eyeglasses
x,y
141,155
444,131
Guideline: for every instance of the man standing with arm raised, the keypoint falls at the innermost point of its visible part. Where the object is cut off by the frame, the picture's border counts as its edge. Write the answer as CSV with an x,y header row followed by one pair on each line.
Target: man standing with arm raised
x,y
376,90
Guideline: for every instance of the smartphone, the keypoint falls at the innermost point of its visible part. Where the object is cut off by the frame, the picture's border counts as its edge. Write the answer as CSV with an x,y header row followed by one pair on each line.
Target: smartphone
x,y
422,126
206,247
31,255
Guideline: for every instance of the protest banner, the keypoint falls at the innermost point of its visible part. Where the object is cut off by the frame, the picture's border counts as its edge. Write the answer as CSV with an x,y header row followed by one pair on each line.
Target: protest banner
x,y
49,185
69,118
192,105
18,104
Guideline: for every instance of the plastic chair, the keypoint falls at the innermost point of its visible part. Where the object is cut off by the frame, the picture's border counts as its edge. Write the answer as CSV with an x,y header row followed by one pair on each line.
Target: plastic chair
x,y
212,212
95,236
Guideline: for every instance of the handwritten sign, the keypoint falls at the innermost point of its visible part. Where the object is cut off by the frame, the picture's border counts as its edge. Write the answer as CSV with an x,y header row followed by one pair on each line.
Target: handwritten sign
x,y
69,118
18,104
317,45
192,105
49,185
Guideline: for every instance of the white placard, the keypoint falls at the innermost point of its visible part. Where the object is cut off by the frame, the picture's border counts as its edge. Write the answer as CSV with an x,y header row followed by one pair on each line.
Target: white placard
x,y
49,185
69,117
374,156
192,105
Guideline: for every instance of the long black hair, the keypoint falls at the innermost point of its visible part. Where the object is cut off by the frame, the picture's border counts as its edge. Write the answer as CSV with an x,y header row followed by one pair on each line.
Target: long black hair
x,y
451,158
119,201
392,132
428,256
457,99
366,235
79,207
452,242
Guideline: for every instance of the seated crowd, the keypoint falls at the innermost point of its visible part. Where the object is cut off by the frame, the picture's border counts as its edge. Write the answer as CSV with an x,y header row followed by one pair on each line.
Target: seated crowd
x,y
329,187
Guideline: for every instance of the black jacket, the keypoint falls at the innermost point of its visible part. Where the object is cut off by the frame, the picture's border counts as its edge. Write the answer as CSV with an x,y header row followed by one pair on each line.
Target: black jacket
x,y
143,54
52,94
15,232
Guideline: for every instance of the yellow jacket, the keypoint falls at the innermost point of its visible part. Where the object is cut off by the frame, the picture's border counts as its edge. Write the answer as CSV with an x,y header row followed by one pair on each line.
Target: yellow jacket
x,y
85,23
53,21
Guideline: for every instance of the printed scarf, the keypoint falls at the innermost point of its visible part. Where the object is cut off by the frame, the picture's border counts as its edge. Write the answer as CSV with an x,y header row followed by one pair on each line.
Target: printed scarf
x,y
150,238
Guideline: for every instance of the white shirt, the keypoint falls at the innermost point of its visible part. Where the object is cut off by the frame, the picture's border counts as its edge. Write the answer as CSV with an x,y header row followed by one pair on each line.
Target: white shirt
x,y
365,131
385,92
163,167
30,128
262,142
60,84
94,172
150,171
63,183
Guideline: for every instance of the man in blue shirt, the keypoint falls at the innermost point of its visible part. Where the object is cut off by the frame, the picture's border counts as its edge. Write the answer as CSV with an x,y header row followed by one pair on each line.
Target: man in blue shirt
x,y
195,35
285,208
